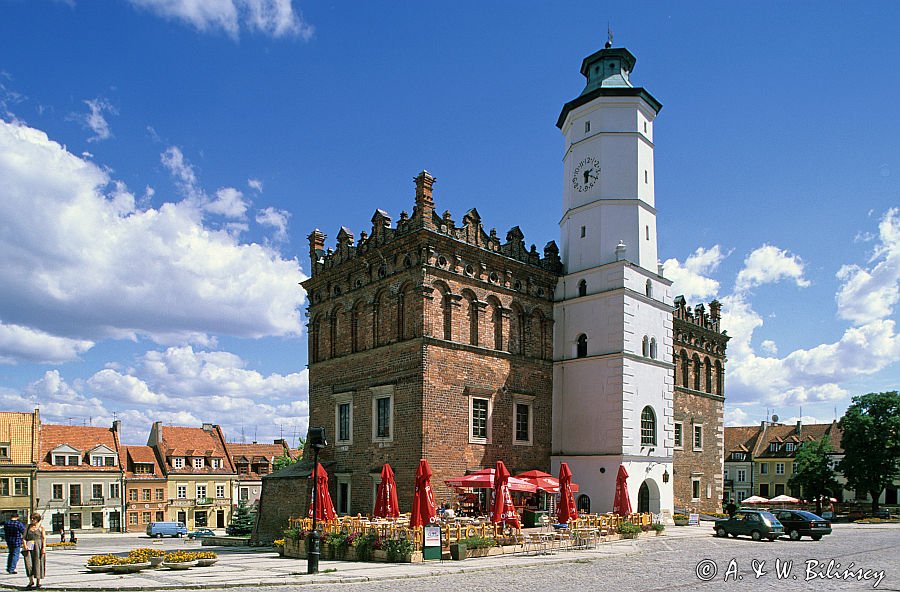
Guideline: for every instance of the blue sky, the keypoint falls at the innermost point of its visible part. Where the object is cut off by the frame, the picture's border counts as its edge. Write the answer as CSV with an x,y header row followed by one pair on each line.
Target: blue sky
x,y
163,162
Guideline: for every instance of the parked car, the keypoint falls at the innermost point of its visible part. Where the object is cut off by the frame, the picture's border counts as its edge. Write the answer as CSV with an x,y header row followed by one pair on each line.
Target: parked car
x,y
160,529
798,523
884,513
757,524
200,533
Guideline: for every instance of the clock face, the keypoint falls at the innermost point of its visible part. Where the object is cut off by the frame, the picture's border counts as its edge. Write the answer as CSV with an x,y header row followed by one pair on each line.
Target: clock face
x,y
587,172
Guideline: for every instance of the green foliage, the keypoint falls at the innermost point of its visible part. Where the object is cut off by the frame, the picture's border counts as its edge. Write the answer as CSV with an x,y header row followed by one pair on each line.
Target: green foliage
x,y
363,545
479,542
243,520
658,527
628,529
398,549
813,472
295,534
871,443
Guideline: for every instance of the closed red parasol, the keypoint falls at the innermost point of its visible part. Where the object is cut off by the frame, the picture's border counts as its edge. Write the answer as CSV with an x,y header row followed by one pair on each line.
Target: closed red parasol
x,y
503,511
324,506
423,508
621,504
567,510
386,504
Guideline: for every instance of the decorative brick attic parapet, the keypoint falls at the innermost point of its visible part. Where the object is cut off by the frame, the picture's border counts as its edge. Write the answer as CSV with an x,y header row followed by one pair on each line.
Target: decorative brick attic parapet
x,y
470,231
698,316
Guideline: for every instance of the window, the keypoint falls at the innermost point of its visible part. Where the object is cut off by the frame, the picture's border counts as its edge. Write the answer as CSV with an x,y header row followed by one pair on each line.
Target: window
x,y
773,447
178,463
343,497
582,288
114,491
343,413
383,418
132,495
653,348
4,486
779,489
145,517
581,346
789,447
97,519
74,461
160,494
4,450
97,491
146,495
779,468
583,231
479,420
522,421
216,463
678,434
648,427
695,490
587,126
648,289
74,494
742,476
181,491
109,461
201,492
645,127
741,495
647,180
59,460
645,347
160,516
764,489
75,520
220,491
132,518
56,493
198,463
143,469
244,494
97,461
698,437
764,468
20,486
726,474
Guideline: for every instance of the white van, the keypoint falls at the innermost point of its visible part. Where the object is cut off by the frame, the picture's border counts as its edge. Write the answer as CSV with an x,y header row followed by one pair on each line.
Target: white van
x,y
160,529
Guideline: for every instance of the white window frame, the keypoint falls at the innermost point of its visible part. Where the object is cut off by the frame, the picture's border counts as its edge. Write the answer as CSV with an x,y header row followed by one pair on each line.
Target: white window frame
x,y
115,490
97,460
789,447
694,436
343,399
244,494
60,498
76,458
4,450
220,487
341,478
726,474
489,397
197,489
695,480
779,468
741,475
527,400
216,463
741,495
198,462
181,492
95,485
678,436
60,457
178,462
382,392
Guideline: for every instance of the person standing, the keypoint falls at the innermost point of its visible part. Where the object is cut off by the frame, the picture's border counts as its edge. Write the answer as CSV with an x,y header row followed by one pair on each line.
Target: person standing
x,y
35,551
13,531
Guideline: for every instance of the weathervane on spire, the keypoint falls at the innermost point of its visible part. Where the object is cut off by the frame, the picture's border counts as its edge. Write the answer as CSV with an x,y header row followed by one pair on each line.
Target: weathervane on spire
x,y
609,35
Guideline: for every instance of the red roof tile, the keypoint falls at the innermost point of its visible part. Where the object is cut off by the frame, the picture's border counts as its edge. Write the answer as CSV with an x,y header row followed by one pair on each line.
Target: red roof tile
x,y
81,438
142,455
187,443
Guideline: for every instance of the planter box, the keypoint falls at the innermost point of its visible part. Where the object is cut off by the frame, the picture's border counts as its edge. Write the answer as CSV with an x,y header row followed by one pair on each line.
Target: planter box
x,y
488,552
295,549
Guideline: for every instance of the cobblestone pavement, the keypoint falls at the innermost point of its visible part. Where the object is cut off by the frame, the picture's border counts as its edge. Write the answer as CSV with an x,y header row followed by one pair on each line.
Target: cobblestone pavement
x,y
685,559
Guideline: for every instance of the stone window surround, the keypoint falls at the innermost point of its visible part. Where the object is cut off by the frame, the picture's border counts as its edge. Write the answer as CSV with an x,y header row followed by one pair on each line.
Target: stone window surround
x,y
741,475
340,478
695,488
381,392
518,399
198,488
488,395
342,398
694,437
62,490
679,440
181,492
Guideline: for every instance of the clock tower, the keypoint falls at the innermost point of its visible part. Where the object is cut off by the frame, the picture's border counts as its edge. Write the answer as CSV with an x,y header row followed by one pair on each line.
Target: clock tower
x,y
613,372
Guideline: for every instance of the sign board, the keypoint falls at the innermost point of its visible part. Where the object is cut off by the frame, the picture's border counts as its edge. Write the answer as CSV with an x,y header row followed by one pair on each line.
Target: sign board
x,y
694,520
431,544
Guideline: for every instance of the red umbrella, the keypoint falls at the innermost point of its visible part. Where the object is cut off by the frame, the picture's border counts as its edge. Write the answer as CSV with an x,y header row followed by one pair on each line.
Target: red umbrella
x,y
504,511
423,509
621,504
324,506
543,481
567,510
484,479
386,504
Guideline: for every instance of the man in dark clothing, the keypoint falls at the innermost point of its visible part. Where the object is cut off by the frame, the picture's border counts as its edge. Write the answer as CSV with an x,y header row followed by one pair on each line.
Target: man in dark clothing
x,y
731,508
13,531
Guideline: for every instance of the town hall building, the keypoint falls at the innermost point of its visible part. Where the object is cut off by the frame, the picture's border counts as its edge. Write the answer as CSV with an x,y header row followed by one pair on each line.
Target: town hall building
x,y
434,338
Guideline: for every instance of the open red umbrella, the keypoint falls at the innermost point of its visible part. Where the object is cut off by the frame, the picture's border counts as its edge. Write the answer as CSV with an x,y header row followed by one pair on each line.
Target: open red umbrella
x,y
386,504
423,509
484,479
503,511
567,510
543,481
324,506
621,504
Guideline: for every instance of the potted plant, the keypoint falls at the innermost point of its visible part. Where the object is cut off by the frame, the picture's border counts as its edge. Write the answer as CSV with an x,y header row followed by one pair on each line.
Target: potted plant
x,y
102,562
479,546
132,563
458,550
629,530
658,528
180,560
680,519
279,546
338,544
398,550
206,558
363,546
144,554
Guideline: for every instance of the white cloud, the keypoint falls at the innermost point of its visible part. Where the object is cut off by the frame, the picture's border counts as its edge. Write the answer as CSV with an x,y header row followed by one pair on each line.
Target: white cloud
x,y
767,265
83,263
690,279
19,343
769,346
735,416
229,202
95,121
275,18
277,219
183,172
870,294
255,184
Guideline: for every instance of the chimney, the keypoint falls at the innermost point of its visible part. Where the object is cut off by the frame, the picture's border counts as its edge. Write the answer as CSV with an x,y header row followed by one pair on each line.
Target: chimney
x,y
620,250
316,247
281,441
117,426
424,203
762,424
207,427
799,428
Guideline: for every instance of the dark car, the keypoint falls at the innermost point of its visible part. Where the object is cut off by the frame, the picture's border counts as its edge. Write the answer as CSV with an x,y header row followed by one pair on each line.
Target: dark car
x,y
200,533
757,524
798,523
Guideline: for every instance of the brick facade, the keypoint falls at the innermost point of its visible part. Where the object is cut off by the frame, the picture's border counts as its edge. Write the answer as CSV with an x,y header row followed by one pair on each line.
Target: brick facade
x,y
430,316
699,399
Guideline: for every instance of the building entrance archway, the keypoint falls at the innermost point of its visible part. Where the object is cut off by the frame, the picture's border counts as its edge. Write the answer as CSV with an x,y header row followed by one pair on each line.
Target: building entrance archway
x,y
648,497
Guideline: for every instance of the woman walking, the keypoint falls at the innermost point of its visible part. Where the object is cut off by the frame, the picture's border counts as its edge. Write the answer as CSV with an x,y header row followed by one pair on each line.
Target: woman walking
x,y
35,552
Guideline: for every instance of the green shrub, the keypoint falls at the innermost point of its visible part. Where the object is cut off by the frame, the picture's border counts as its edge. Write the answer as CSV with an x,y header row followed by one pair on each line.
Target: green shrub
x,y
629,530
398,549
479,542
658,527
363,545
338,543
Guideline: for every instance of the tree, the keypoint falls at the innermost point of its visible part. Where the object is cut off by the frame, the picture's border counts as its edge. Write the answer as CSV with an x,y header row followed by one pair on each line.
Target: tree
x,y
813,472
871,443
286,459
242,521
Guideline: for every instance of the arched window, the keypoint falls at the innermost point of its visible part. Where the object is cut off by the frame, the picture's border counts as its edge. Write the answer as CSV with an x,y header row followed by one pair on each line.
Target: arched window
x,y
649,289
720,378
333,333
354,330
645,346
685,367
447,305
653,347
314,340
473,322
696,373
582,288
648,427
583,504
401,317
581,346
707,376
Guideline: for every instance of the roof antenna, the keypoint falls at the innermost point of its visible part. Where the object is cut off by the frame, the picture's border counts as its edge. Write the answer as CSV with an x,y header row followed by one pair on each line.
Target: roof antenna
x,y
609,35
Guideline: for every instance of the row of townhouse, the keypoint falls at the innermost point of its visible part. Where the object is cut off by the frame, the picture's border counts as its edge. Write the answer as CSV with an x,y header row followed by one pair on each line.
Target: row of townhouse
x,y
759,460
83,478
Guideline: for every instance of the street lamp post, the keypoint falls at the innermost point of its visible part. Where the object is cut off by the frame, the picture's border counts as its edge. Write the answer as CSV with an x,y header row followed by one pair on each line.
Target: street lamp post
x,y
316,440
